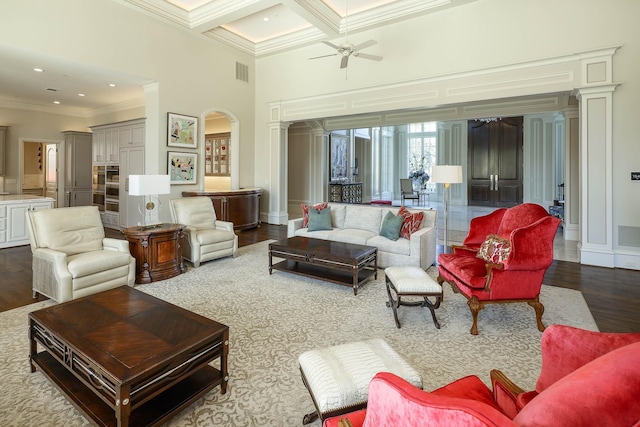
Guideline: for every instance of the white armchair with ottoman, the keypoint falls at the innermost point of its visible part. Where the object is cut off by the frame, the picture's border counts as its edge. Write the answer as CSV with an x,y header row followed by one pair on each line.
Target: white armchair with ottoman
x,y
366,225
205,237
71,256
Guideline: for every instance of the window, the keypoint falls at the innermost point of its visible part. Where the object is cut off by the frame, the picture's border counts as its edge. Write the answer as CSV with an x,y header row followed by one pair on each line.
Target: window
x,y
422,139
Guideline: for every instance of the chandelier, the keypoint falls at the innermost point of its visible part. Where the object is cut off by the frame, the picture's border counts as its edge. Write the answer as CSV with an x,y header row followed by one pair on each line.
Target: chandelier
x,y
489,119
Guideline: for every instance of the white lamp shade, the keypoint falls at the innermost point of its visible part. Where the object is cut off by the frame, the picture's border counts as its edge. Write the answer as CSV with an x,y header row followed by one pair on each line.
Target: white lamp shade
x,y
446,174
146,185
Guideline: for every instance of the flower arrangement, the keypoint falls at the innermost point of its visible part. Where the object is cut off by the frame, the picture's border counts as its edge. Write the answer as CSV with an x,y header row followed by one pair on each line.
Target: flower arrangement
x,y
417,172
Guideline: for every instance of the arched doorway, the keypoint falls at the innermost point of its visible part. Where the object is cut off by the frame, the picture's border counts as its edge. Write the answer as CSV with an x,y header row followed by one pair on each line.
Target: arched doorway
x,y
220,151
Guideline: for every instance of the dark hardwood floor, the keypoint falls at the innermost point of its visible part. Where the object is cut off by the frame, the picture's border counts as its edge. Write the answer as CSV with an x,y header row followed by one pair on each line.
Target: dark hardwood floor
x,y
613,295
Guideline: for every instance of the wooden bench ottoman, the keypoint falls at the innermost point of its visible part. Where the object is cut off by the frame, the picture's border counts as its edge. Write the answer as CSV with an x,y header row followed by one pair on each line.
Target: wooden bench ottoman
x,y
338,377
412,282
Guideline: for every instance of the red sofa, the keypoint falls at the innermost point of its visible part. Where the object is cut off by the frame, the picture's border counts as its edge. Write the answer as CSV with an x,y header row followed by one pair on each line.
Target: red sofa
x,y
587,379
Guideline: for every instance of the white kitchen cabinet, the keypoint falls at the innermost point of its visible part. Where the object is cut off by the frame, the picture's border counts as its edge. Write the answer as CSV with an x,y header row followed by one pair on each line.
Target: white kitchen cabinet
x,y
3,135
13,217
120,144
106,144
132,135
131,163
77,180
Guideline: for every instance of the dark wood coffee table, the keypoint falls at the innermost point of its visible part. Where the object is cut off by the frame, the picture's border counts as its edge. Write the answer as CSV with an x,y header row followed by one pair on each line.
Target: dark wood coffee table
x,y
343,263
123,357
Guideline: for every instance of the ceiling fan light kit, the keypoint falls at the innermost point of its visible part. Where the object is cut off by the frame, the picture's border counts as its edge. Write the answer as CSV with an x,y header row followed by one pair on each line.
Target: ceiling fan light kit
x,y
346,49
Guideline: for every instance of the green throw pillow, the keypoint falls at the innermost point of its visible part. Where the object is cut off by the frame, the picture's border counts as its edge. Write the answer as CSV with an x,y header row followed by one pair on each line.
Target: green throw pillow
x,y
320,220
391,225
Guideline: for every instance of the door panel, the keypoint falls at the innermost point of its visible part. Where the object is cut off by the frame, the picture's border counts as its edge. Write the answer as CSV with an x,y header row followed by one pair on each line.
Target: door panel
x,y
495,162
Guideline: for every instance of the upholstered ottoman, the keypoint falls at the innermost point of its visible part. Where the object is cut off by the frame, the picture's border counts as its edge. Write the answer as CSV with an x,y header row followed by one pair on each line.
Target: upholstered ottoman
x,y
412,282
338,377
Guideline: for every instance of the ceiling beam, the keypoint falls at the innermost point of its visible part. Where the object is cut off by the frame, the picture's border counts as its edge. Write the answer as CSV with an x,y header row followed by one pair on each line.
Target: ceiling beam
x,y
318,14
221,12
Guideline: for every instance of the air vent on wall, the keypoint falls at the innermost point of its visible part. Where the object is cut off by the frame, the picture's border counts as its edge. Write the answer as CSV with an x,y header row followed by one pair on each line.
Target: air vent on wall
x,y
242,72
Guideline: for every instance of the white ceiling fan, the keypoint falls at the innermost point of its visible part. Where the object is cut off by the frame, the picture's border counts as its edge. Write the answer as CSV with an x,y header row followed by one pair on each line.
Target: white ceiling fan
x,y
347,49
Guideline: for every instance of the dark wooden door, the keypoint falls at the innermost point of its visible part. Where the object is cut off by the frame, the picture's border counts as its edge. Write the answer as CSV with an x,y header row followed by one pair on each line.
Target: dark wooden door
x,y
495,162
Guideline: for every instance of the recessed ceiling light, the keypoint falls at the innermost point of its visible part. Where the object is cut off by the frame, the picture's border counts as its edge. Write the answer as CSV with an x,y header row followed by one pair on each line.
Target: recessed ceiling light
x,y
112,85
81,94
265,19
38,70
56,102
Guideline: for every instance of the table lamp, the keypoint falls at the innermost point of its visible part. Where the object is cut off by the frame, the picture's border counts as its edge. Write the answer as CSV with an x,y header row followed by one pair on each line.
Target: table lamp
x,y
447,175
150,186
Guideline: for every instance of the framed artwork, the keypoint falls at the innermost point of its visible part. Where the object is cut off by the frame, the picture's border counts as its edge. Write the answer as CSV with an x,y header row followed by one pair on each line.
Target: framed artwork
x,y
338,156
182,167
182,131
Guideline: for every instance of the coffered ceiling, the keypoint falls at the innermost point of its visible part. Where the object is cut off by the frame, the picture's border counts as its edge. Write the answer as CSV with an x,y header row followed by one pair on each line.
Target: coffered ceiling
x,y
258,27
263,27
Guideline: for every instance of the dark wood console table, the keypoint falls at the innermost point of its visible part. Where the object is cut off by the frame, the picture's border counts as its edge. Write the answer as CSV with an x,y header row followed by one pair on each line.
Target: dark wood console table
x,y
157,250
345,192
241,207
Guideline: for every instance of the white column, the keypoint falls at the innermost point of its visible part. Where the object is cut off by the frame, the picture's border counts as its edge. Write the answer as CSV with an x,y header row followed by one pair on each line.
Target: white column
x,y
320,174
452,150
596,163
278,167
572,175
152,130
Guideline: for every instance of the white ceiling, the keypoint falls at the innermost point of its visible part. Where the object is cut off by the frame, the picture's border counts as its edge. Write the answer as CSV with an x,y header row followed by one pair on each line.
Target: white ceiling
x,y
264,27
239,23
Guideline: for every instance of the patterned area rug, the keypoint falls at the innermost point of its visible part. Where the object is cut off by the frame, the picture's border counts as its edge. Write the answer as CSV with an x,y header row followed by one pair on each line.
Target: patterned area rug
x,y
274,318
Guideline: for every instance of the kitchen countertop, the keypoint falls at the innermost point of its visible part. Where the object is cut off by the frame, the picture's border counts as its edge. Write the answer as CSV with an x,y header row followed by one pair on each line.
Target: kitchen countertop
x,y
20,197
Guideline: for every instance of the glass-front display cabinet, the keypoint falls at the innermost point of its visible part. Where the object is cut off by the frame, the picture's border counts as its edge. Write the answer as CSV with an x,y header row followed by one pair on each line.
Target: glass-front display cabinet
x,y
216,154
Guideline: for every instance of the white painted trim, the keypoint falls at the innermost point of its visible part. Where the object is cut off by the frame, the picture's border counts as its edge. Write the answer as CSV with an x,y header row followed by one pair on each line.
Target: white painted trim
x,y
61,159
234,149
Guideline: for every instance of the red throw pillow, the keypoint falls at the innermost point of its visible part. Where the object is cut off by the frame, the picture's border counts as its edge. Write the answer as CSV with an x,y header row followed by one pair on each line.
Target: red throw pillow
x,y
494,249
305,211
410,223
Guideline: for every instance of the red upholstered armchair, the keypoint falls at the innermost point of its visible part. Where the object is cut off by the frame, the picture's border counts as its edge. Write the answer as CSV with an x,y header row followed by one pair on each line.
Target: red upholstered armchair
x,y
503,259
587,379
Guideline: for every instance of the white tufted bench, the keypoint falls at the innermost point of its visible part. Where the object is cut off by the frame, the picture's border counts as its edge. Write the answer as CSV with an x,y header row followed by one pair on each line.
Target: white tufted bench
x,y
338,377
412,282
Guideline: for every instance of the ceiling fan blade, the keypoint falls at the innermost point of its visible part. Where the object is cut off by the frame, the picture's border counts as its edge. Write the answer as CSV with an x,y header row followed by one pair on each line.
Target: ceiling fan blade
x,y
365,45
344,61
367,56
324,56
332,45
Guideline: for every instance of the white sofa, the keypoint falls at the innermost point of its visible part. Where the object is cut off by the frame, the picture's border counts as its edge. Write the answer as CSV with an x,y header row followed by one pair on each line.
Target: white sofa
x,y
361,224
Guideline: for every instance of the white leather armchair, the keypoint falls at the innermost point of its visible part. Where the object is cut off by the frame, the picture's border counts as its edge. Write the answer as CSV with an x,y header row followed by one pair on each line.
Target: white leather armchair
x,y
71,256
204,237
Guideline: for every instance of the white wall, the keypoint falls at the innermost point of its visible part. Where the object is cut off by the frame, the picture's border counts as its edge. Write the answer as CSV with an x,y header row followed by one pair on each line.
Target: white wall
x,y
485,43
191,74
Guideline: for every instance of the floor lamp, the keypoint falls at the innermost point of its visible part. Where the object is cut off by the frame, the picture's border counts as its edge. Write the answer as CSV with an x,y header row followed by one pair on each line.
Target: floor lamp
x,y
151,186
447,175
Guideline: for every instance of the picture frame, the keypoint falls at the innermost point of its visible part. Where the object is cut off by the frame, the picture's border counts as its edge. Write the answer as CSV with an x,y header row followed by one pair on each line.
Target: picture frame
x,y
182,131
338,158
182,167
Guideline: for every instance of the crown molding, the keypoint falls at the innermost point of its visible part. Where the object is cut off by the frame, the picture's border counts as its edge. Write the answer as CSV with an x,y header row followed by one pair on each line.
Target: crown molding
x,y
161,9
57,109
120,106
73,111
327,24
